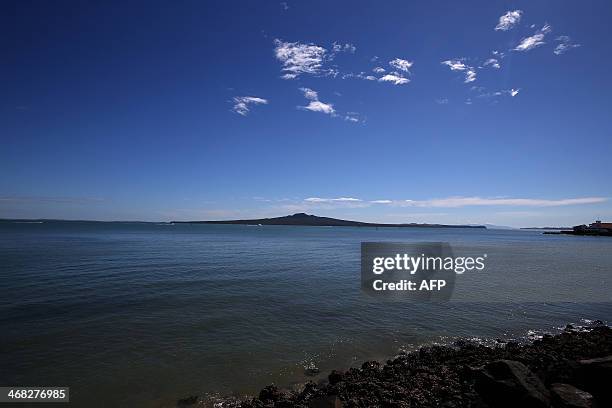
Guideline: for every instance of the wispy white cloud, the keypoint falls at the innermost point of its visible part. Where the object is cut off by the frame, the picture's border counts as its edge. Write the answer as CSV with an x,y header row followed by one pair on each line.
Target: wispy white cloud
x,y
299,58
442,101
401,64
529,43
493,62
347,47
458,202
332,200
56,200
242,104
470,76
352,117
318,106
524,202
482,94
455,65
284,5
395,78
565,44
459,65
509,20
310,94
315,105
360,75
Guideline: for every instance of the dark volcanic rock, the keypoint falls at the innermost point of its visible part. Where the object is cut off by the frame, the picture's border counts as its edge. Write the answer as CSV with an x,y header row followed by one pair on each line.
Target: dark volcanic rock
x,y
312,371
269,394
508,383
445,377
186,402
568,396
595,376
335,377
330,401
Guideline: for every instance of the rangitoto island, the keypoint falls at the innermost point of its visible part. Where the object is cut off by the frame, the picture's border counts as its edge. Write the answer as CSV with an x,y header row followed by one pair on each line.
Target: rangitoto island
x,y
303,219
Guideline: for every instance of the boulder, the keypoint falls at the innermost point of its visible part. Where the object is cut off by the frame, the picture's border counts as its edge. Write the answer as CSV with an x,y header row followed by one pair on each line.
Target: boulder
x,y
568,396
509,383
335,377
311,370
601,365
270,394
330,401
595,376
186,402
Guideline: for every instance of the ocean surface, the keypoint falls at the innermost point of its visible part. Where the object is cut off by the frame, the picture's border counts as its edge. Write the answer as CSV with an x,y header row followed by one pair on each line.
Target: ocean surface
x,y
140,315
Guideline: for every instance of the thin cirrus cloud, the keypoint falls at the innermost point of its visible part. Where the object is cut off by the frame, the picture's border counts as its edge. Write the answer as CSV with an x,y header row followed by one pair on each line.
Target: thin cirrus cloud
x,y
565,44
493,62
352,117
42,200
332,200
306,58
458,202
512,92
509,20
529,43
459,65
348,47
524,202
242,104
298,58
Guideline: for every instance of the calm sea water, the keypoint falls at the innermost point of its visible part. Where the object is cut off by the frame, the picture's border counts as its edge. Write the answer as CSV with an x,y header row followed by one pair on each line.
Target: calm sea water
x,y
138,315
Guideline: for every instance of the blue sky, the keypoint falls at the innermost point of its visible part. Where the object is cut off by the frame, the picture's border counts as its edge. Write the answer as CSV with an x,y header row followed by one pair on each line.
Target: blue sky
x,y
451,112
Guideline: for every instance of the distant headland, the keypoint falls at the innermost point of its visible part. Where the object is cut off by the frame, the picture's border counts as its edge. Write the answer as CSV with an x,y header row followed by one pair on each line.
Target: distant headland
x,y
597,228
303,219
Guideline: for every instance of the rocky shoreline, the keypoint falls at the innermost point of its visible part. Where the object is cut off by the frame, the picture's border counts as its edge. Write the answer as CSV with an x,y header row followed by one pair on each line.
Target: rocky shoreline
x,y
572,369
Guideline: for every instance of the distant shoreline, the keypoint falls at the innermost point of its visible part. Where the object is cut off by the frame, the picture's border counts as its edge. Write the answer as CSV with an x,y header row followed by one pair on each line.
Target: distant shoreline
x,y
298,220
302,219
545,228
252,223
